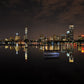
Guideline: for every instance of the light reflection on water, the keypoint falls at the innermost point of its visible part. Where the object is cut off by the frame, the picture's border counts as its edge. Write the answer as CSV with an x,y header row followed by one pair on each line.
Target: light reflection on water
x,y
67,62
66,48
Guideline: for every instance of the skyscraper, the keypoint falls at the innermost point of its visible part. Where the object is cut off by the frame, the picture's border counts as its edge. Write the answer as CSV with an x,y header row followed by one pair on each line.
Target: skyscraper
x,y
70,33
26,31
26,38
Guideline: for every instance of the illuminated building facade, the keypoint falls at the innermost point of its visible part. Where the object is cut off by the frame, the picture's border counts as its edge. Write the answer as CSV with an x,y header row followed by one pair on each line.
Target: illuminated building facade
x,y
42,37
17,37
63,37
70,33
6,39
46,39
81,37
11,38
26,32
26,38
56,38
51,38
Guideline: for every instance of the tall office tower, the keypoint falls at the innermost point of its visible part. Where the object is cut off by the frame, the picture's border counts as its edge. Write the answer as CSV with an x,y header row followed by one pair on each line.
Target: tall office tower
x,y
26,32
71,28
26,38
70,33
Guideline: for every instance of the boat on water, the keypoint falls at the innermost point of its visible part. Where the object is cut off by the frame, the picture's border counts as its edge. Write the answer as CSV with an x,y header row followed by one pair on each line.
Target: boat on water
x,y
48,54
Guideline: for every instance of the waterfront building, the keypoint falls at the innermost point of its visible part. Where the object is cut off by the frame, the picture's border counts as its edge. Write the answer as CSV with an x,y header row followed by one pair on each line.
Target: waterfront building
x,y
11,39
26,32
70,33
17,37
51,38
46,39
63,37
56,38
42,37
81,37
6,39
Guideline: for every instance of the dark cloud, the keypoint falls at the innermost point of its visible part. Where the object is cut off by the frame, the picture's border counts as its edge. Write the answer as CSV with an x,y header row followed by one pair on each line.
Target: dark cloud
x,y
50,6
60,11
42,12
75,13
63,11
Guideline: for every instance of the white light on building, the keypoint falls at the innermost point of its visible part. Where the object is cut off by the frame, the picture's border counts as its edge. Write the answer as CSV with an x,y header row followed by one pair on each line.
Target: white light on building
x,y
68,32
17,34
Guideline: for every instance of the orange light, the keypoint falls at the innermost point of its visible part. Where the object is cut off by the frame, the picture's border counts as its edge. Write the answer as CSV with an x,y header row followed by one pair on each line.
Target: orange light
x,y
71,60
82,35
82,49
82,44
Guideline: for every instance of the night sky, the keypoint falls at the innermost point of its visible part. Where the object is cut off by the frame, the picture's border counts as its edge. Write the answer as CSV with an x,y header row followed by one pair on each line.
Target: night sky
x,y
46,17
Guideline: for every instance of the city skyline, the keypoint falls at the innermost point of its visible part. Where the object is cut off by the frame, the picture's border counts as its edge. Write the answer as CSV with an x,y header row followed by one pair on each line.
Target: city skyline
x,y
46,17
69,35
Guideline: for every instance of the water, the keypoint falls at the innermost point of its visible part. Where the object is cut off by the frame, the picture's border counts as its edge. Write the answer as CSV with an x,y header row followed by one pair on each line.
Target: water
x,y
18,62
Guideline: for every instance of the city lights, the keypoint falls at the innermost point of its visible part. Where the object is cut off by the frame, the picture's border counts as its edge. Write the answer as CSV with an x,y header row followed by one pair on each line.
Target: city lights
x,y
42,40
67,37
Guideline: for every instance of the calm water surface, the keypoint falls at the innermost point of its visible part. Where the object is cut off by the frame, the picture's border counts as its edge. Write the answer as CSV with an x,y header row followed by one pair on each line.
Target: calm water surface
x,y
18,62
